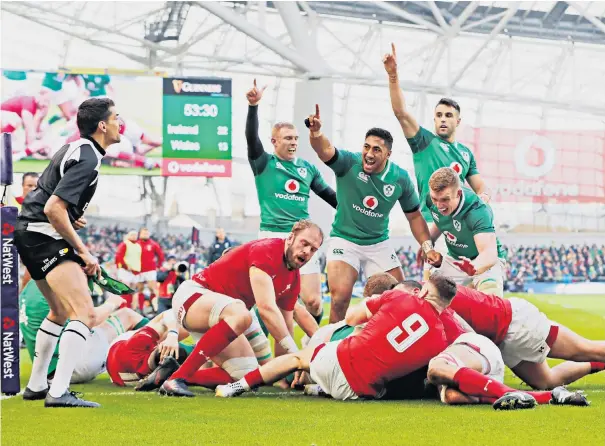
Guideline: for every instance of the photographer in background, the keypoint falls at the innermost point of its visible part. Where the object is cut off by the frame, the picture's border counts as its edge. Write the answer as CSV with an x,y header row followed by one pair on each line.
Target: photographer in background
x,y
170,276
221,242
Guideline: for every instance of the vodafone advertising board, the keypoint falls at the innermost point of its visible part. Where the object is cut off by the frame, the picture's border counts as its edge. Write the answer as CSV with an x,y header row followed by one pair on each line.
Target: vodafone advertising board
x,y
540,166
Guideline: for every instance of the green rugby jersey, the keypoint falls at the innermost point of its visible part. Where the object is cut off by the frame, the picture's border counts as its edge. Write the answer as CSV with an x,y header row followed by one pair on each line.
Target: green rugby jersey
x,y
54,81
471,217
365,201
431,153
283,189
95,84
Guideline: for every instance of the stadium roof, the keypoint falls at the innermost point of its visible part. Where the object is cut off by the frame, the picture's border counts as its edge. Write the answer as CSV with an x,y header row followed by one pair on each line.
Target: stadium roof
x,y
547,54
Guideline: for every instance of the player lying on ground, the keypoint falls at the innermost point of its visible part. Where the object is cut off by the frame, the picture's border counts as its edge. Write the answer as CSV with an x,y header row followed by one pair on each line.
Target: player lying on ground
x,y
369,185
376,285
217,301
27,112
474,254
133,355
284,183
403,332
471,371
33,310
527,337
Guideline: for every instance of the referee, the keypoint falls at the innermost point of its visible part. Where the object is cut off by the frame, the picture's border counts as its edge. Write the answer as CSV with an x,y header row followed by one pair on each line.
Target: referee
x,y
56,257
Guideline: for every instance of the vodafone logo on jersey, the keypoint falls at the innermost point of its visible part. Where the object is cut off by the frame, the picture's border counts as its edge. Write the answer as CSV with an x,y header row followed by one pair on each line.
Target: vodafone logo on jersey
x,y
370,202
457,167
450,237
452,240
292,186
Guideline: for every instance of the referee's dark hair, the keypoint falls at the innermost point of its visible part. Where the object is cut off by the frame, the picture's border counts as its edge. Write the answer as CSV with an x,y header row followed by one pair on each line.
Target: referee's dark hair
x,y
382,133
91,112
450,103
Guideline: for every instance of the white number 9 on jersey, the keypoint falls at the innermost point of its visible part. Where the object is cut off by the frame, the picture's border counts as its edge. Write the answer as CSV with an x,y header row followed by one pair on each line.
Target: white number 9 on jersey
x,y
412,335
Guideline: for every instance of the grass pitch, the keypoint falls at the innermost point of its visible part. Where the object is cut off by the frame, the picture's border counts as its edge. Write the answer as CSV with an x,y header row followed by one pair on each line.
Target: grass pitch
x,y
275,417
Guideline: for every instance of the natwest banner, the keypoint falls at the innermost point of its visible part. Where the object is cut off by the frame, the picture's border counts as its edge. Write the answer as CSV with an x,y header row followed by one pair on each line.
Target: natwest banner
x,y
540,166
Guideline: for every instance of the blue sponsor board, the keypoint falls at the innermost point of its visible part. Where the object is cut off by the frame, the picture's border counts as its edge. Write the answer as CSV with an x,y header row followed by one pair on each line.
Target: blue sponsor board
x,y
9,316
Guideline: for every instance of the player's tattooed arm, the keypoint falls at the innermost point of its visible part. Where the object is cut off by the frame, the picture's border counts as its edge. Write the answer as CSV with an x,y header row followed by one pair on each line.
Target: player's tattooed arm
x,y
408,123
358,314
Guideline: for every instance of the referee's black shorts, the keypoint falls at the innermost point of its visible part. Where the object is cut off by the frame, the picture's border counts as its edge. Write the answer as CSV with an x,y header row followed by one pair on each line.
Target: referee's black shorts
x,y
41,253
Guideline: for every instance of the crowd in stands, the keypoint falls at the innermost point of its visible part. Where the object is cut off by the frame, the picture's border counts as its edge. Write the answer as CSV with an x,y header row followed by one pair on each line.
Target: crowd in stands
x,y
561,264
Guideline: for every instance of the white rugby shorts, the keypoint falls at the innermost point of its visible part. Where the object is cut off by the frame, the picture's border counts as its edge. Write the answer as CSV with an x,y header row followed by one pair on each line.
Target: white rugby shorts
x,y
311,267
493,364
147,276
188,289
527,334
374,259
325,371
448,269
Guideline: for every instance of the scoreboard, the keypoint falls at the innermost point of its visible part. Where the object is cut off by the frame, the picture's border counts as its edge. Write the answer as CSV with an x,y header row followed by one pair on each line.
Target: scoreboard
x,y
196,127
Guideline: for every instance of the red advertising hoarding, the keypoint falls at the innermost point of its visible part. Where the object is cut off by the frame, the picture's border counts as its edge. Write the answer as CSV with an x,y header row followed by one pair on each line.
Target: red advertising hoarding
x,y
540,166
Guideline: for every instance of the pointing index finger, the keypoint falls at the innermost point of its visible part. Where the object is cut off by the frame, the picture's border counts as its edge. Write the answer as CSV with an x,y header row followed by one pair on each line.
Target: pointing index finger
x,y
254,82
393,50
317,111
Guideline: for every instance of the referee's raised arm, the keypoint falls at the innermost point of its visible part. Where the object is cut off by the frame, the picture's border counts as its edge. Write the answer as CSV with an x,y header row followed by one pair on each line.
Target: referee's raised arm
x,y
55,255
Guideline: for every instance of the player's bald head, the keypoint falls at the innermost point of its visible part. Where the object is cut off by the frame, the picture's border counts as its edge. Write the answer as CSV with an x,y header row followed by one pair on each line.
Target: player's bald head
x,y
378,284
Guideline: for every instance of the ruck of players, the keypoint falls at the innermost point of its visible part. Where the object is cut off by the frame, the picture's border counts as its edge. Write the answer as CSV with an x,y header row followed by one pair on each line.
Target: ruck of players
x,y
449,337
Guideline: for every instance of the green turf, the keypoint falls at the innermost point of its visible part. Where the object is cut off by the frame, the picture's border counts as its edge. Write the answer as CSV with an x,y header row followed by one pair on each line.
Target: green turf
x,y
30,165
274,417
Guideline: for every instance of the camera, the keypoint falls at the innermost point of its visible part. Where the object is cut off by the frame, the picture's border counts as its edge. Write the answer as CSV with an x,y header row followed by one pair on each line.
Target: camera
x,y
181,268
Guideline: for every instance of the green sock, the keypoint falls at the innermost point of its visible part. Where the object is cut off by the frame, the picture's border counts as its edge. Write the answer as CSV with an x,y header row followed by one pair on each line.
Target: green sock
x,y
141,324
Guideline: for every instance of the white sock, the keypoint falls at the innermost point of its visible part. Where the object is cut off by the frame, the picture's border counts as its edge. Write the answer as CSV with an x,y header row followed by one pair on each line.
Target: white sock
x,y
46,342
71,348
244,384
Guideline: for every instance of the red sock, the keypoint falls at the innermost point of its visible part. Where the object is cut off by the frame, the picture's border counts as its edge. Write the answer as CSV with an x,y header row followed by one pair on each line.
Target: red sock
x,y
128,299
214,341
210,378
254,379
474,383
597,367
141,301
541,397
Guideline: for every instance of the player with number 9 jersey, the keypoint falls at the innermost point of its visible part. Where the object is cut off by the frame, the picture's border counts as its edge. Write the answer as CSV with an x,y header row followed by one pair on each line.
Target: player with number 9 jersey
x,y
404,333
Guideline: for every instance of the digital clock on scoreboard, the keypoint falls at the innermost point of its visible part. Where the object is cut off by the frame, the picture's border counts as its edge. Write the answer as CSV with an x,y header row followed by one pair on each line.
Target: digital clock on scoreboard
x,y
196,127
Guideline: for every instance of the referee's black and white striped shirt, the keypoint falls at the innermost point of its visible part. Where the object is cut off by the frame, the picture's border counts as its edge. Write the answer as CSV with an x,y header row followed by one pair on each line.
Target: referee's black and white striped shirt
x,y
72,175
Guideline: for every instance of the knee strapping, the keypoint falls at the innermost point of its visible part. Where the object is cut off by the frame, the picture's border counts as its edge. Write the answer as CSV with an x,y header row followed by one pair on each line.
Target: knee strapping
x,y
259,343
238,367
